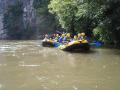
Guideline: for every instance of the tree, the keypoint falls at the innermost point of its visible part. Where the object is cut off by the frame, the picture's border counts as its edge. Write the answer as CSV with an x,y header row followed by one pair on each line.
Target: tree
x,y
73,15
98,16
109,21
65,11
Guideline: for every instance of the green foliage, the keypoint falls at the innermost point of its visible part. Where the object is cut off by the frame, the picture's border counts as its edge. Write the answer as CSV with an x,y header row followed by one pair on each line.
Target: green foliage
x,y
65,11
109,19
98,16
102,34
73,15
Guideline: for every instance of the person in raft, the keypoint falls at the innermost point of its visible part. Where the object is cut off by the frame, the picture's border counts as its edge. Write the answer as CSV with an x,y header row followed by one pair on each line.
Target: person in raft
x,y
46,37
56,39
67,38
75,38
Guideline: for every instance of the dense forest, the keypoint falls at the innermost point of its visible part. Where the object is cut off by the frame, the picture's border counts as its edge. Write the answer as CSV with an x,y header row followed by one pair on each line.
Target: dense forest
x,y
99,19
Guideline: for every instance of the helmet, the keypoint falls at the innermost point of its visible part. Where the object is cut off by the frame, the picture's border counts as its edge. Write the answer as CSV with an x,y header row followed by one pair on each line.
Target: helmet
x,y
63,35
68,34
83,34
75,37
79,34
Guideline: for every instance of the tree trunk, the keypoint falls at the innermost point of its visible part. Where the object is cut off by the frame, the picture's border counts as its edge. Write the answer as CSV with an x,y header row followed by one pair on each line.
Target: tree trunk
x,y
72,26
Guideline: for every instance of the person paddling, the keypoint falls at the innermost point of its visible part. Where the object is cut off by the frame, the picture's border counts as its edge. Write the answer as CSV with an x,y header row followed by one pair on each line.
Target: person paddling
x,y
57,38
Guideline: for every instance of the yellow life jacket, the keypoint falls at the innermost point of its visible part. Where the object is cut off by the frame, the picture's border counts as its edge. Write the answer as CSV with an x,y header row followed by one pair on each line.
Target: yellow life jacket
x,y
50,40
84,41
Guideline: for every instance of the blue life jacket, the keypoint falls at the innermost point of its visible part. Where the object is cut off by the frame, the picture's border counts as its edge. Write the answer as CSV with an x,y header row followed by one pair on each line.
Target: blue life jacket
x,y
60,40
79,38
65,38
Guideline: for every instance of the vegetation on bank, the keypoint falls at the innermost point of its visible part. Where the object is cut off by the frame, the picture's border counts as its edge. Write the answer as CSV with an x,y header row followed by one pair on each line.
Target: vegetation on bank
x,y
99,19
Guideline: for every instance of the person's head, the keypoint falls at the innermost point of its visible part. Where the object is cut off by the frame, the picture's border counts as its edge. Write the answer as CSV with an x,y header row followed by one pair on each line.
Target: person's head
x,y
46,35
57,35
54,35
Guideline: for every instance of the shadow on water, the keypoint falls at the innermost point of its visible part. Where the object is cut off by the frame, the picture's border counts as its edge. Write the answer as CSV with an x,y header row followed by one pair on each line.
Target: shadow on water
x,y
83,51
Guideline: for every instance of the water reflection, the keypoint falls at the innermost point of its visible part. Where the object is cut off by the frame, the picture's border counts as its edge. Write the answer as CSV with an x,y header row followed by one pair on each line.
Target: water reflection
x,y
26,65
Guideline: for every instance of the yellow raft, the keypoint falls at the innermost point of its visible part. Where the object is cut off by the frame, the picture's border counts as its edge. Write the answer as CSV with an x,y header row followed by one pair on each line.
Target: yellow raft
x,y
76,46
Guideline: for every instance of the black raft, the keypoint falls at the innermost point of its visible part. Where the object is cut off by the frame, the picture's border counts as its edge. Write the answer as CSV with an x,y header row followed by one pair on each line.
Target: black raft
x,y
47,44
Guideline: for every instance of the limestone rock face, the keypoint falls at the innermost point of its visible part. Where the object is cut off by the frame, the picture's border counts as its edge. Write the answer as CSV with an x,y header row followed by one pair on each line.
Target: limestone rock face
x,y
29,13
29,16
30,20
1,17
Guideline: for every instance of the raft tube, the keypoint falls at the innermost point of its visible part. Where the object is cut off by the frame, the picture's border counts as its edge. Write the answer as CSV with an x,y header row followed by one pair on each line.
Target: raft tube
x,y
75,47
47,44
96,44
50,44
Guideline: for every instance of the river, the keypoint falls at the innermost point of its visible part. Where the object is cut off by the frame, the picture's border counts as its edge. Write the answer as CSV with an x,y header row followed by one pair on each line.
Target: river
x,y
26,65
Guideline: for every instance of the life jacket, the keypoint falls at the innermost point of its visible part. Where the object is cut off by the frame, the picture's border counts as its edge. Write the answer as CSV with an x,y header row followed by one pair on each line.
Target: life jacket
x,y
68,39
65,38
79,38
60,40
57,38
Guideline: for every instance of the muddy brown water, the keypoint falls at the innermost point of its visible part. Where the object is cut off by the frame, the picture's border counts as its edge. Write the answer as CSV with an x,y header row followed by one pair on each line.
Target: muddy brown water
x,y
26,65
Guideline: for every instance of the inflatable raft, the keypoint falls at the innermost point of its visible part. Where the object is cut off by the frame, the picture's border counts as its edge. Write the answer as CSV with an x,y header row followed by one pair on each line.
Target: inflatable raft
x,y
71,46
47,43
76,46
